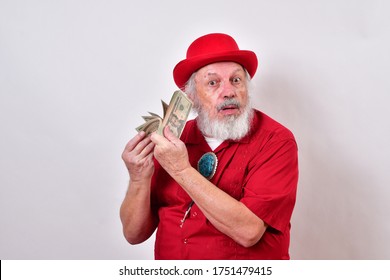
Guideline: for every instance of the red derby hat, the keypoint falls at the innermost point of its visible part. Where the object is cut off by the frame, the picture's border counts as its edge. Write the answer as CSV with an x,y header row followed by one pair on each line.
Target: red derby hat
x,y
210,48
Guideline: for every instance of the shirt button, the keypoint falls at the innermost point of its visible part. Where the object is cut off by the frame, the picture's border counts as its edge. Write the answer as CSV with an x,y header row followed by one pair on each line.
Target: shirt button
x,y
185,240
194,214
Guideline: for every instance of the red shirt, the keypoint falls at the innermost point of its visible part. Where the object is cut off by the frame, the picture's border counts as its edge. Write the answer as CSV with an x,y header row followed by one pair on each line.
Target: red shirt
x,y
260,170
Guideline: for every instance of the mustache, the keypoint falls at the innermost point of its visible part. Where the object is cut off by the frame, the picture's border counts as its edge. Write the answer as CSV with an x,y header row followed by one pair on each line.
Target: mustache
x,y
229,103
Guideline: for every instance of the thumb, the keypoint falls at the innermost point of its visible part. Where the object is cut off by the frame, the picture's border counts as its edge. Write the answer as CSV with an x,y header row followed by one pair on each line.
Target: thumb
x,y
170,135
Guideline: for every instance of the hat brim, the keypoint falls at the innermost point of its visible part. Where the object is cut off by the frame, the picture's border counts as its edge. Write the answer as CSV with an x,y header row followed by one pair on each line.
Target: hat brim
x,y
184,69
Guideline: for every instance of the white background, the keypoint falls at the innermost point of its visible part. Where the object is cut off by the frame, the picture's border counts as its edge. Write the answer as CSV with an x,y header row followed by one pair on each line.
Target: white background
x,y
75,77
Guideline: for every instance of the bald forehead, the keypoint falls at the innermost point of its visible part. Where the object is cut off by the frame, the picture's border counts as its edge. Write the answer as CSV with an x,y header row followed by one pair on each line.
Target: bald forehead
x,y
220,68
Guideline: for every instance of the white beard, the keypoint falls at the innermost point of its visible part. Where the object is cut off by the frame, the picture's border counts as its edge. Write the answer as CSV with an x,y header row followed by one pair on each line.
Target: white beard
x,y
230,127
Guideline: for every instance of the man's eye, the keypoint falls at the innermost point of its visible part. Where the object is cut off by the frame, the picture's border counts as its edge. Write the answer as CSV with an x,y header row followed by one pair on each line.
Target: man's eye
x,y
236,80
212,83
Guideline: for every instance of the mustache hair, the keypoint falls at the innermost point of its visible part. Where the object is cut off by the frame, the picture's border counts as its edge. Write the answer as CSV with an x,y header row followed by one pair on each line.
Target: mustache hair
x,y
228,102
232,127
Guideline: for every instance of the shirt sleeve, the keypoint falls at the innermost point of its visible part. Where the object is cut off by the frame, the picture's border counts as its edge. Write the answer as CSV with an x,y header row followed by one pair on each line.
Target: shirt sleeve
x,y
271,185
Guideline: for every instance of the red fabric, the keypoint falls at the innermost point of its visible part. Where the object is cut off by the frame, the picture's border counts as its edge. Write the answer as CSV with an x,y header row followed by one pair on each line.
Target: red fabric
x,y
260,170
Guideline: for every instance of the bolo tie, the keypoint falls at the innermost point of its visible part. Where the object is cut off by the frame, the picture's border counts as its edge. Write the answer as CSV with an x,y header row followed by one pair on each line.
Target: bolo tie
x,y
207,165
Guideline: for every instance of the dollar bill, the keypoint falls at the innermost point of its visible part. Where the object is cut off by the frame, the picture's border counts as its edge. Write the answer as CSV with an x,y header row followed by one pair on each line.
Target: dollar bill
x,y
175,116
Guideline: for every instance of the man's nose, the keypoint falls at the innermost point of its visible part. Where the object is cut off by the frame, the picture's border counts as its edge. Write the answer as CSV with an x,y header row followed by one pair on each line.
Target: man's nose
x,y
228,90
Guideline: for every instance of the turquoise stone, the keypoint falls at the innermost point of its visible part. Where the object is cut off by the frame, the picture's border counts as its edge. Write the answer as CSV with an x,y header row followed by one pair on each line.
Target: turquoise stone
x,y
207,165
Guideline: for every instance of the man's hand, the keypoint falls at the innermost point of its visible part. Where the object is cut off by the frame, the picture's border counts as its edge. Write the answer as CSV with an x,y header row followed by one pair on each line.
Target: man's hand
x,y
170,152
136,215
138,157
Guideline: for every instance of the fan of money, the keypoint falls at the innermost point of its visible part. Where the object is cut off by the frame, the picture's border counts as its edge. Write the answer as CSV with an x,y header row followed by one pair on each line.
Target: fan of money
x,y
175,116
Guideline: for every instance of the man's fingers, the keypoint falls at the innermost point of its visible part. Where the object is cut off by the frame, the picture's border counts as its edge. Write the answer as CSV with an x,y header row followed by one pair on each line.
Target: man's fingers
x,y
157,139
134,141
169,134
137,149
172,137
168,137
147,150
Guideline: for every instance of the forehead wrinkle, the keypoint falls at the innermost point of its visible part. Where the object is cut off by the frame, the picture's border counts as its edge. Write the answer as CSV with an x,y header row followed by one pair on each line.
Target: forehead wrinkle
x,y
208,74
